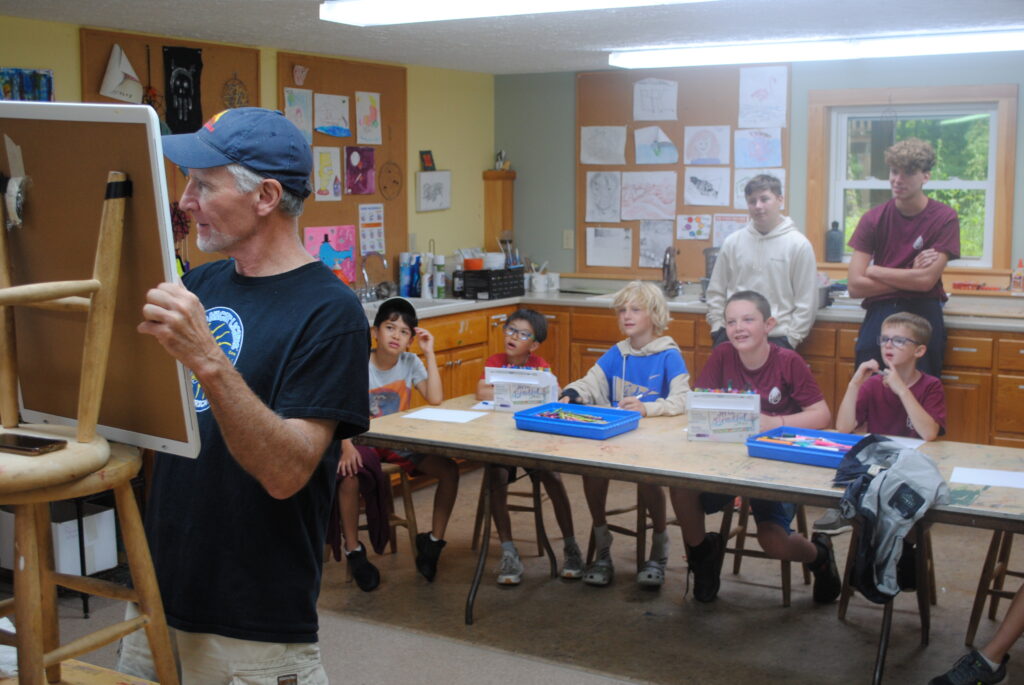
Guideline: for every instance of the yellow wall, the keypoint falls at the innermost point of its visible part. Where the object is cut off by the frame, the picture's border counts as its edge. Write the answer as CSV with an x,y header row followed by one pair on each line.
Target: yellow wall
x,y
449,112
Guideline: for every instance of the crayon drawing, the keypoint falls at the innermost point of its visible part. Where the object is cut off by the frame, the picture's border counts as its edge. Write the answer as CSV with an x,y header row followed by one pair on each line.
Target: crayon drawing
x,y
603,196
653,146
763,93
602,145
648,195
758,147
368,118
327,174
335,247
706,145
359,171
693,226
707,186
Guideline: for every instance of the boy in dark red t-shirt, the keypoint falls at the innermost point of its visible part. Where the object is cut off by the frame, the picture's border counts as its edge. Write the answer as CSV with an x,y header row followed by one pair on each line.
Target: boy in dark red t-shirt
x,y
789,397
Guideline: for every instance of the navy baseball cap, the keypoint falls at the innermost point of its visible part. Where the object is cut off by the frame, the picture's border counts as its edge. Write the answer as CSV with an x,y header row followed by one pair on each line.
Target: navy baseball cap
x,y
260,139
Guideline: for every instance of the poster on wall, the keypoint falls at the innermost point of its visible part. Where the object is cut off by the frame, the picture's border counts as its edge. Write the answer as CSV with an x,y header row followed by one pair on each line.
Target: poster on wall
x,y
727,224
603,196
371,229
602,144
758,148
609,246
707,185
360,174
762,96
327,174
183,68
655,238
706,145
433,190
335,247
26,84
368,118
655,100
330,115
693,226
653,146
648,195
298,108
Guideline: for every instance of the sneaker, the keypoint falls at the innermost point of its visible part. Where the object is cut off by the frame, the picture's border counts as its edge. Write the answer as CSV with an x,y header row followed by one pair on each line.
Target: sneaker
x,y
510,570
427,553
827,583
366,575
706,567
600,573
970,669
573,566
652,574
832,523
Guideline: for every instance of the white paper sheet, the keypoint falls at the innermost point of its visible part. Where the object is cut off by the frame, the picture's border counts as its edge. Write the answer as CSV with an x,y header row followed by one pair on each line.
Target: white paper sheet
x,y
725,225
1006,479
120,81
706,145
648,195
369,118
758,148
707,186
609,246
327,174
655,100
655,238
693,227
604,189
330,115
602,144
653,146
298,108
763,93
444,415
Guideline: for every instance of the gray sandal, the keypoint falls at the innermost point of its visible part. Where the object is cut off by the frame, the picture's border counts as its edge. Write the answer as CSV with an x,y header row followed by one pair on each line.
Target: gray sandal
x,y
652,574
599,573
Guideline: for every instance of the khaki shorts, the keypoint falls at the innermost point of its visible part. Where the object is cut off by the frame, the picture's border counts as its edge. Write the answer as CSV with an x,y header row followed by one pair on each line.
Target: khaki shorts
x,y
208,659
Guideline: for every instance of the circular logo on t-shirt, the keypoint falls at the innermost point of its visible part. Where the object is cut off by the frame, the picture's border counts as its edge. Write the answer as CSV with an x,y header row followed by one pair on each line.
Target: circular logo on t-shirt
x,y
227,330
775,396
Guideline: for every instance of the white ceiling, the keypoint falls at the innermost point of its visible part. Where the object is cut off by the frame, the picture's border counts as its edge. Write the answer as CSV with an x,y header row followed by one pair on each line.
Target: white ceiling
x,y
571,41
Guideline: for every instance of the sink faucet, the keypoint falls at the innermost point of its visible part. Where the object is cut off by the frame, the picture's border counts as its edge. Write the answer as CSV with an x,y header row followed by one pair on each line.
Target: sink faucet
x,y
670,281
368,293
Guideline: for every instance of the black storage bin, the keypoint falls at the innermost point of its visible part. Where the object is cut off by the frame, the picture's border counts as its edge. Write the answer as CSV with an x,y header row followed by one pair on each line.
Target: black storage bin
x,y
493,284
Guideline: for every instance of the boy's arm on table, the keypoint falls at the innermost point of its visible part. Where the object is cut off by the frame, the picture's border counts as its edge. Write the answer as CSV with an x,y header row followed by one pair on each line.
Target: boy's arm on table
x,y
674,404
591,389
816,416
431,388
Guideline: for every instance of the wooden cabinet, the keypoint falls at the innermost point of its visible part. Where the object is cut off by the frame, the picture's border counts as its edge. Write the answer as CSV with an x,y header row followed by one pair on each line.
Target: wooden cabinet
x,y
968,402
496,320
460,346
555,349
583,355
498,205
461,369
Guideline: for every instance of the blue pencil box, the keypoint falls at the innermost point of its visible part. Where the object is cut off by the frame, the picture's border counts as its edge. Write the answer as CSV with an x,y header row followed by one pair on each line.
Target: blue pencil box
x,y
618,421
815,456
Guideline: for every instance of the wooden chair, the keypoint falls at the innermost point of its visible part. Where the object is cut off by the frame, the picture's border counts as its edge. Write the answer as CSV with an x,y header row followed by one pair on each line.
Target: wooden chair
x,y
85,466
738,550
408,518
638,531
536,497
990,584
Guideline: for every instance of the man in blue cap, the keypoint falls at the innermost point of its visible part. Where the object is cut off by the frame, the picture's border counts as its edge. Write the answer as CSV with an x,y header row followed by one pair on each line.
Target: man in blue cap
x,y
277,346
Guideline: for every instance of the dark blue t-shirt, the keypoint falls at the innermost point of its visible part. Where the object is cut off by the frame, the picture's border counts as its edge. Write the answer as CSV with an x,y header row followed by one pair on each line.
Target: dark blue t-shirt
x,y
231,559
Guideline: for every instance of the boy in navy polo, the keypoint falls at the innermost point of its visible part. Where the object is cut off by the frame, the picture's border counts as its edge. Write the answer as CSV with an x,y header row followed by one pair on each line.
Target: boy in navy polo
x,y
789,397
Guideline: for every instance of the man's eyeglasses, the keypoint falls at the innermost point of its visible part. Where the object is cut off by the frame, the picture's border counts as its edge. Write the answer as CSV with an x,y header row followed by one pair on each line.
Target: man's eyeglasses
x,y
513,332
897,340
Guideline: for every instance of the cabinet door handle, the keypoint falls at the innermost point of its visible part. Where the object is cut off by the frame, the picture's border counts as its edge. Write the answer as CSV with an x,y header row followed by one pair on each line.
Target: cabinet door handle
x,y
447,364
596,349
458,362
554,317
1020,387
947,377
1020,351
965,349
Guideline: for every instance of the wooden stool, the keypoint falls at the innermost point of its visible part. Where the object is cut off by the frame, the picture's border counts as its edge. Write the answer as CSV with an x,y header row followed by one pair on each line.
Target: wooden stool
x,y
34,604
990,585
738,551
408,520
536,498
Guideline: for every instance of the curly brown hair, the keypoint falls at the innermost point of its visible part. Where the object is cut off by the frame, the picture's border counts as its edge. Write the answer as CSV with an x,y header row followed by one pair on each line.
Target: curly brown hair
x,y
911,155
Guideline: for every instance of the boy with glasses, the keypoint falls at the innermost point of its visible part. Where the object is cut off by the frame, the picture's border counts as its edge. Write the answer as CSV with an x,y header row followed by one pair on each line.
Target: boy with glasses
x,y
525,330
897,400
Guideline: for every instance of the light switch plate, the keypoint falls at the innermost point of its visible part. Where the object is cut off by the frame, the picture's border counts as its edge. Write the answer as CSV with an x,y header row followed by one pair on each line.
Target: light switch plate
x,y
568,239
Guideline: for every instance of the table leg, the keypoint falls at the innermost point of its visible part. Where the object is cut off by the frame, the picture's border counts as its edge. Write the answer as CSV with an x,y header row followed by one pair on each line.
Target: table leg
x,y
485,543
538,517
883,643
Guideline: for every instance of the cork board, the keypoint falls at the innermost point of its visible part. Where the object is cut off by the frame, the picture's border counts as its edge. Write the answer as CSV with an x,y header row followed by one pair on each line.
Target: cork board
x,y
343,77
707,96
67,151
224,67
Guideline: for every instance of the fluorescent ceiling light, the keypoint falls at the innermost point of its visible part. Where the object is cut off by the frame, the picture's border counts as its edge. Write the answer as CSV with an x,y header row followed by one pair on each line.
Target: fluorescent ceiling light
x,y
814,50
379,13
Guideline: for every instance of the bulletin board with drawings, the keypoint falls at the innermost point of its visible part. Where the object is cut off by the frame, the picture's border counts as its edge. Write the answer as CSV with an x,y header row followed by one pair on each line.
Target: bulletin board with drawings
x,y
662,152
229,77
356,115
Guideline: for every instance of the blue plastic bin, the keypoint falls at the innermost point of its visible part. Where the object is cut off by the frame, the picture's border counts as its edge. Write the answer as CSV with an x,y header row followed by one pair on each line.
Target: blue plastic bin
x,y
815,456
619,421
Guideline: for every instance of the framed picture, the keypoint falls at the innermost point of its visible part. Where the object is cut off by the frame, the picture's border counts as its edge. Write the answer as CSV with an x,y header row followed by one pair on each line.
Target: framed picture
x,y
433,190
427,160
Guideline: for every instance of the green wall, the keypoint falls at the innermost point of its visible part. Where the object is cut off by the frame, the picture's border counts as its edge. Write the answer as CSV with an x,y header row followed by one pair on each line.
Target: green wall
x,y
535,123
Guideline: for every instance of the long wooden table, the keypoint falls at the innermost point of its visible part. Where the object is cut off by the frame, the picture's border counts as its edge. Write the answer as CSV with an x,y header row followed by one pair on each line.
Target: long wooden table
x,y
659,452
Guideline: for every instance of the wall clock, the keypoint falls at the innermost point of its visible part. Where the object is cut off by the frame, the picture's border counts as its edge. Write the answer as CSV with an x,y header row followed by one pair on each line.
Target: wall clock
x,y
389,180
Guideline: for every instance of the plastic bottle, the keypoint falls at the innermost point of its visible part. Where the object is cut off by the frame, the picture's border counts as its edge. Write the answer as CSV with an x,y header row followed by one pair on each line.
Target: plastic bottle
x,y
404,273
439,277
414,275
834,244
427,277
1017,279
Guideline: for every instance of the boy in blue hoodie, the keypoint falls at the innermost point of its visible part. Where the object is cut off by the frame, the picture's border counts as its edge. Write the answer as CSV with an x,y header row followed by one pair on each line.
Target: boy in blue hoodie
x,y
644,373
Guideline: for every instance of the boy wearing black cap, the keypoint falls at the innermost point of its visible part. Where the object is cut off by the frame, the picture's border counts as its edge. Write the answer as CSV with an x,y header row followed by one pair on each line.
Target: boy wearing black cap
x,y
394,372
277,349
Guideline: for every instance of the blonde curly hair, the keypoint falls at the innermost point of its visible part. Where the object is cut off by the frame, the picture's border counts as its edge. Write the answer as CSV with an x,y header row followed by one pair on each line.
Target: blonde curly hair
x,y
648,296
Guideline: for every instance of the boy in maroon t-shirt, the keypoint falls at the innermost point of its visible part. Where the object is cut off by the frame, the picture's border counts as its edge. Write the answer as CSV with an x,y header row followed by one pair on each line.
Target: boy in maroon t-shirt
x,y
900,249
789,397
899,400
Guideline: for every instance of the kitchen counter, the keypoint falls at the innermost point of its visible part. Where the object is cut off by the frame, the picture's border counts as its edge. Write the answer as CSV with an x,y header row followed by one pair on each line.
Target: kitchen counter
x,y
979,313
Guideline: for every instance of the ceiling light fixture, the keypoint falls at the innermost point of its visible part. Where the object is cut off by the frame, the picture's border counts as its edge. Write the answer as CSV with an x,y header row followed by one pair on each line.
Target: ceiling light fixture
x,y
814,50
377,13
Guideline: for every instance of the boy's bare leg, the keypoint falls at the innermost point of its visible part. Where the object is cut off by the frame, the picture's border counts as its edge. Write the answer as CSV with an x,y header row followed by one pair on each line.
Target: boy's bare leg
x,y
559,502
499,503
447,474
1009,630
779,544
653,497
596,491
690,514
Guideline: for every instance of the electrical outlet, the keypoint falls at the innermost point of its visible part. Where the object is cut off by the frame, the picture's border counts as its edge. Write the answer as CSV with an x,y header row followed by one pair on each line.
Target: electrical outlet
x,y
412,242
568,239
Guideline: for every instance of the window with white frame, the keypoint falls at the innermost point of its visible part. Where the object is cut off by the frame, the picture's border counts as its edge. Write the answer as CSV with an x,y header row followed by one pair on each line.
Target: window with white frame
x,y
964,175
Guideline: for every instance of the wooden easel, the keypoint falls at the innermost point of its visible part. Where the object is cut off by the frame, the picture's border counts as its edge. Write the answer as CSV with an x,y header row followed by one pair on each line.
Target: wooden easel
x,y
85,466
